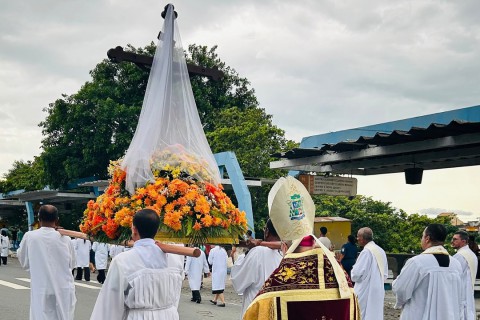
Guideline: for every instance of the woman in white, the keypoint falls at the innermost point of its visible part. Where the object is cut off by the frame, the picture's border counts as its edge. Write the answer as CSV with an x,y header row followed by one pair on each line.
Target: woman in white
x,y
5,247
218,259
194,269
101,257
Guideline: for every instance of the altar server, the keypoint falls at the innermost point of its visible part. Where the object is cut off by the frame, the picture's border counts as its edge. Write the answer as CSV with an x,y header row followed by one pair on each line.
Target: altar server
x,y
469,262
194,269
430,286
50,258
82,249
139,284
115,249
101,259
218,259
369,274
249,274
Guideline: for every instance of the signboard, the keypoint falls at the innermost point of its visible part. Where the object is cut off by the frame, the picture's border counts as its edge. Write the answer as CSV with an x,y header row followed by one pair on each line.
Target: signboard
x,y
332,186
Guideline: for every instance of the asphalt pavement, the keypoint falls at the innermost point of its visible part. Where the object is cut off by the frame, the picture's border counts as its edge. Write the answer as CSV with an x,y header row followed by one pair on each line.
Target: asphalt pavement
x,y
15,297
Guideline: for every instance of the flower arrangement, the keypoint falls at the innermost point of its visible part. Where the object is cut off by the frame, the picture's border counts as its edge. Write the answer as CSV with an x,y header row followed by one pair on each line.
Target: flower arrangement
x,y
189,208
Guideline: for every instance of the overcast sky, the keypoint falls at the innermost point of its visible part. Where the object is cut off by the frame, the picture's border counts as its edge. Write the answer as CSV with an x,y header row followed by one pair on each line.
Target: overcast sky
x,y
316,66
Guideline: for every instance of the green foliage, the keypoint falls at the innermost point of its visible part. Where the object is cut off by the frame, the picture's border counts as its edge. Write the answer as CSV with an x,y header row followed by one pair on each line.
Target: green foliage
x,y
86,130
252,136
24,175
393,229
211,96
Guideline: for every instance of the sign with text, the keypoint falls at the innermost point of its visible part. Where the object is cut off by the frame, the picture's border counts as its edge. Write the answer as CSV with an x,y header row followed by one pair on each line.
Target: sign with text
x,y
332,186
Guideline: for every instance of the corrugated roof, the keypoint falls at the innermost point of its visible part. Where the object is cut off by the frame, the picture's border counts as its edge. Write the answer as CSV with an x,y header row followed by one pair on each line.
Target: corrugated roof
x,y
433,131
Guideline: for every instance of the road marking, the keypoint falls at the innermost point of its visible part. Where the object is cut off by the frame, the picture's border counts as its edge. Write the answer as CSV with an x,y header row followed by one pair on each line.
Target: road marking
x,y
76,283
12,285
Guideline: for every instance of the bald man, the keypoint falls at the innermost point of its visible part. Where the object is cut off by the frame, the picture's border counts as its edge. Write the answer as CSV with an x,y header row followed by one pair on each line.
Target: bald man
x,y
369,274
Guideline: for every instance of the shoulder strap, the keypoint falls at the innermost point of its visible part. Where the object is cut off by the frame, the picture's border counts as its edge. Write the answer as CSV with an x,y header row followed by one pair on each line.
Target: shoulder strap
x,y
470,262
378,257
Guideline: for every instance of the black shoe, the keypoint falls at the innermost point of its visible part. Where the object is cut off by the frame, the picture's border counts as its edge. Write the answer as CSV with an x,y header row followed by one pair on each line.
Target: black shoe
x,y
221,305
198,301
193,300
214,302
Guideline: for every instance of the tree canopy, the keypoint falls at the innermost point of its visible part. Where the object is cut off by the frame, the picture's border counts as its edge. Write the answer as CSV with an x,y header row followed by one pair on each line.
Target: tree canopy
x,y
394,230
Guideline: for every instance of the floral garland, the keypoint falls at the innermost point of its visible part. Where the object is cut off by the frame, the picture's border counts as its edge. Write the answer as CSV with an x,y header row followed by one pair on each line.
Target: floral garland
x,y
188,207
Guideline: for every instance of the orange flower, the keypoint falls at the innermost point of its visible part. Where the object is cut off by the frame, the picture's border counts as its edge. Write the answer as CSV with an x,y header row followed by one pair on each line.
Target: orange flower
x,y
207,220
197,226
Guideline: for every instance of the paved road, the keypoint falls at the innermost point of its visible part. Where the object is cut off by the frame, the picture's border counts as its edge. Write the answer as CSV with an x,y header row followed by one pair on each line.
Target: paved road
x,y
15,298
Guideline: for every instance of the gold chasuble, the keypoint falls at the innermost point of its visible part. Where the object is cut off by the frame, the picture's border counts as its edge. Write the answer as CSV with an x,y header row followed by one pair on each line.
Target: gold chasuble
x,y
303,287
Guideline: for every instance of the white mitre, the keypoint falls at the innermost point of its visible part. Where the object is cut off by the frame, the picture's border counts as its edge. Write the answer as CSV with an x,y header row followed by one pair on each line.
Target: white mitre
x,y
291,209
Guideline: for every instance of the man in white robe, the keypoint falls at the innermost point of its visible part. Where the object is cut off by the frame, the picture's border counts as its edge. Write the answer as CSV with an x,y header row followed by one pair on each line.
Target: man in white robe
x,y
139,284
430,286
218,259
115,249
101,259
369,274
82,249
50,259
249,274
469,262
194,269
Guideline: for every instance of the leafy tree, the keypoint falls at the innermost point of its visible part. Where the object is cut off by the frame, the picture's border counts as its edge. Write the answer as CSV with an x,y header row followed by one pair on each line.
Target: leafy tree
x,y
394,230
24,175
252,136
86,130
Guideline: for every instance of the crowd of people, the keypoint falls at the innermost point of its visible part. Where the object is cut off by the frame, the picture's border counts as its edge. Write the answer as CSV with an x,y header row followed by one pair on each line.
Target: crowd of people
x,y
301,280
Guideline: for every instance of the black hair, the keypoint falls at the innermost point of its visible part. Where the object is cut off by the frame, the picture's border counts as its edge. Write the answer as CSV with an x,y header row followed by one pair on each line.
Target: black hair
x,y
48,213
351,239
146,221
249,233
463,234
437,232
323,230
4,233
271,228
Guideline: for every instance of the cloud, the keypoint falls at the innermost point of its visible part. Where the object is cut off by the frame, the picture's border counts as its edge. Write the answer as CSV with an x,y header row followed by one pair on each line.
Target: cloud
x,y
316,66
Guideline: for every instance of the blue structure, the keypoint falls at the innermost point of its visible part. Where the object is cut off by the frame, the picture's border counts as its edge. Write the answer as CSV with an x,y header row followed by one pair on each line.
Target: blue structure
x,y
470,114
228,161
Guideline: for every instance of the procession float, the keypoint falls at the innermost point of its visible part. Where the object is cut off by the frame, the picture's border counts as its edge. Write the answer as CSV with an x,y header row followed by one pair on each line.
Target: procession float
x,y
169,166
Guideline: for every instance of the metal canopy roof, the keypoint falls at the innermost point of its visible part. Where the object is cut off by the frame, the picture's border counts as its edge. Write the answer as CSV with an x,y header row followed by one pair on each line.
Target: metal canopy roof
x,y
54,196
456,144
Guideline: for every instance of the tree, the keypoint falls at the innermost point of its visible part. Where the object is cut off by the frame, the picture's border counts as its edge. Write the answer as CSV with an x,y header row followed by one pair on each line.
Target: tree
x,y
24,175
85,130
251,134
394,230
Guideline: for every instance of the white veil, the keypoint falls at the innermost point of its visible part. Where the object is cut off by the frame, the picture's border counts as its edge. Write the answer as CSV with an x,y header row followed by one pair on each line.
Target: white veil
x,y
169,121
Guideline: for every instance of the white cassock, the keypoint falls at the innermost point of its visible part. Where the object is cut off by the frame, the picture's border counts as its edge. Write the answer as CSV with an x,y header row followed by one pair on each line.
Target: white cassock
x,y
115,249
5,246
194,269
369,274
469,263
249,274
101,255
82,248
427,291
50,259
218,259
139,286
